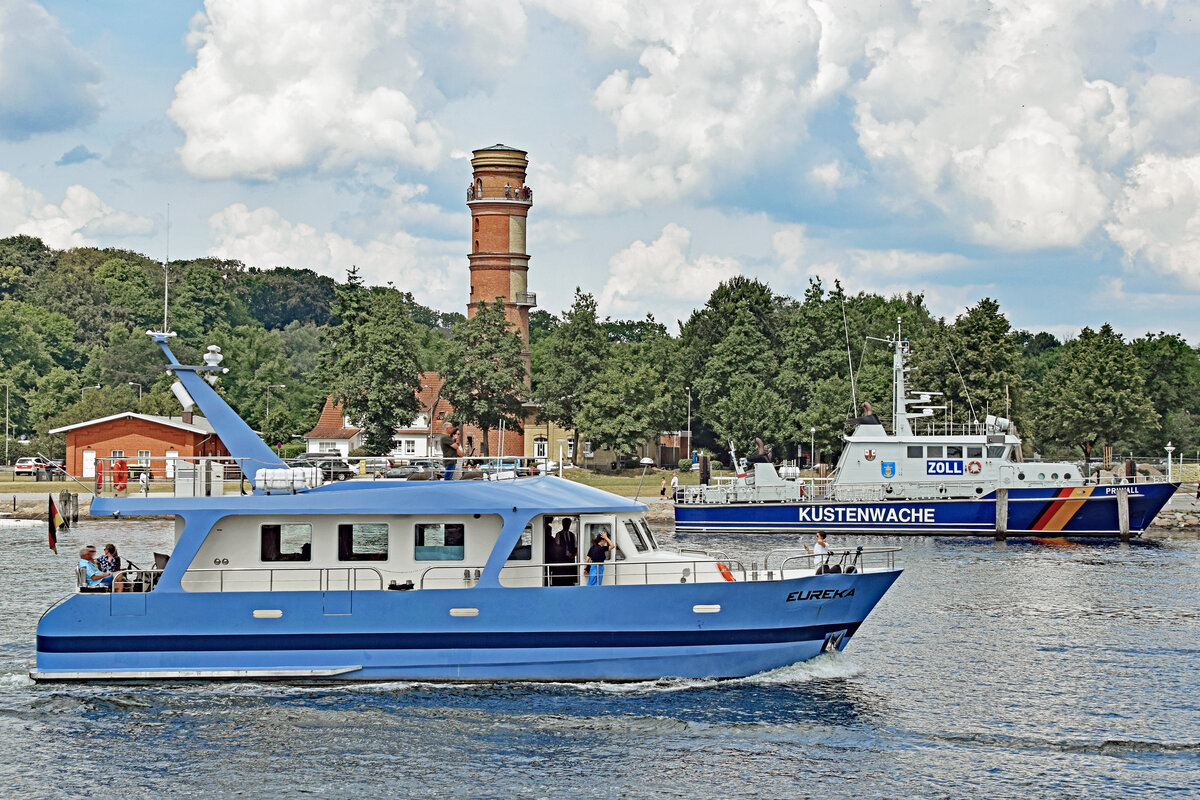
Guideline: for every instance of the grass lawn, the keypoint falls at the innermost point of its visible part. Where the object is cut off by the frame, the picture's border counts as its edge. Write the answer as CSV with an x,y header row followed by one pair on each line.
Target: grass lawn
x,y
626,482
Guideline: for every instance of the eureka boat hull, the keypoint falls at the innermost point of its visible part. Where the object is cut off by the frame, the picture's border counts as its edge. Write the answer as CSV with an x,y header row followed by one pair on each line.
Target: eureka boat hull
x,y
623,633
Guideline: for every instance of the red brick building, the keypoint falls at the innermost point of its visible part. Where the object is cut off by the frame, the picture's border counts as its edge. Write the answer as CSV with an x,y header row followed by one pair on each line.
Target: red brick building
x,y
141,439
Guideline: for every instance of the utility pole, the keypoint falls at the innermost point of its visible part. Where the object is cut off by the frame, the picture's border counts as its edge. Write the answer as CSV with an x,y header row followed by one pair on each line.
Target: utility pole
x,y
689,391
6,388
271,386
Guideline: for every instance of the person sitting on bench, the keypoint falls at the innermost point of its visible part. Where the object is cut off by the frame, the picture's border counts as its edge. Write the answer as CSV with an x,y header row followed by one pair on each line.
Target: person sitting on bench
x,y
96,577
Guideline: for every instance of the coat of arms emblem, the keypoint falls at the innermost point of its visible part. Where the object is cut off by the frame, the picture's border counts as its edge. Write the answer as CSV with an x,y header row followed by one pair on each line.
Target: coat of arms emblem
x,y
870,454
888,468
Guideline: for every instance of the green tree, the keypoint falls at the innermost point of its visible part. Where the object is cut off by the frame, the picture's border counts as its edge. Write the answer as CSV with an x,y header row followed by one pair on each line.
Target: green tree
x,y
20,258
624,408
573,361
1172,372
484,374
1095,395
369,360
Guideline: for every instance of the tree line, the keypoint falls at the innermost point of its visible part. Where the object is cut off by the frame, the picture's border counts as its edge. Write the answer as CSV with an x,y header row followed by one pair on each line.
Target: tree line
x,y
755,363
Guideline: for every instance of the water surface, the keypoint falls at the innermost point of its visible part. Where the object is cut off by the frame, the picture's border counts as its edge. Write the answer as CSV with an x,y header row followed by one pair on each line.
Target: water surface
x,y
1025,670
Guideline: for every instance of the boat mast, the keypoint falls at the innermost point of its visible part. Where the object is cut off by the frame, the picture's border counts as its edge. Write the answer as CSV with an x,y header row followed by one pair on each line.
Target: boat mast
x,y
899,412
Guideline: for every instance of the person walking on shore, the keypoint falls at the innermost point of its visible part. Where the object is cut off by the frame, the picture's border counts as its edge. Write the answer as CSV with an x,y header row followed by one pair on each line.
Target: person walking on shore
x,y
662,488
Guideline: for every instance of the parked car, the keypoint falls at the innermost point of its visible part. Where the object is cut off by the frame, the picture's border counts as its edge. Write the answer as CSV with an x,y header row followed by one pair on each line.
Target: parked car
x,y
425,468
30,465
332,467
373,466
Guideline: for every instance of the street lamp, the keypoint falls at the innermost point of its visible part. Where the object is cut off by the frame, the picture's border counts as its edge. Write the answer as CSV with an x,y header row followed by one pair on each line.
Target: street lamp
x,y
646,464
133,383
6,388
85,388
560,454
689,391
1170,448
429,419
271,386
812,448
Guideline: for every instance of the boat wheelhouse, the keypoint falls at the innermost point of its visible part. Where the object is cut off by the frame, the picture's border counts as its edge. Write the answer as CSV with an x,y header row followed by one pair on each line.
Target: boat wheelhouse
x,y
273,576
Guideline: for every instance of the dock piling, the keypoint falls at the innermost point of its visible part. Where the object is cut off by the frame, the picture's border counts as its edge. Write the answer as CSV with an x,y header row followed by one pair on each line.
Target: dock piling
x,y
1001,514
1123,513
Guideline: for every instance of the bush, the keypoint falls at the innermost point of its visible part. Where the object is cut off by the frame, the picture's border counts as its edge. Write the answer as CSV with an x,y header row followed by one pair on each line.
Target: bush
x,y
293,449
685,465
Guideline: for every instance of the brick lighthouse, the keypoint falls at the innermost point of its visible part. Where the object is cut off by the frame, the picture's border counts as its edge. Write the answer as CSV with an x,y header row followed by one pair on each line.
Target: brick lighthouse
x,y
499,203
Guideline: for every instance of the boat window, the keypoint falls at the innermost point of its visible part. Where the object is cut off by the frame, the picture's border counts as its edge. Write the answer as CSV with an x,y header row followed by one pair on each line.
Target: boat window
x,y
914,451
437,541
290,541
974,451
363,542
639,543
649,535
933,451
996,451
954,451
591,530
523,551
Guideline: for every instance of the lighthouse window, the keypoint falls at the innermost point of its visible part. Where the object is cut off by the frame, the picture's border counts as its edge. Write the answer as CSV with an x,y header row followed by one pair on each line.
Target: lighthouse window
x,y
974,451
914,451
290,541
933,451
953,451
362,542
437,541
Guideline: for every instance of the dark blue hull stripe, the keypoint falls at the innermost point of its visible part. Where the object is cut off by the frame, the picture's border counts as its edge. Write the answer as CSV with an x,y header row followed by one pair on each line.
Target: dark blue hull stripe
x,y
432,641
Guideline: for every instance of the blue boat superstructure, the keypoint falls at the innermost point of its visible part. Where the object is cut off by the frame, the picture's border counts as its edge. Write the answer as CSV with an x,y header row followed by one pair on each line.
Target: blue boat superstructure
x,y
443,580
969,480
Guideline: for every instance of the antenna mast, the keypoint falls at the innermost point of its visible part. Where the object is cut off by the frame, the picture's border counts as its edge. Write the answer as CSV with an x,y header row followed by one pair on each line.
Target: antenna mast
x,y
167,269
849,358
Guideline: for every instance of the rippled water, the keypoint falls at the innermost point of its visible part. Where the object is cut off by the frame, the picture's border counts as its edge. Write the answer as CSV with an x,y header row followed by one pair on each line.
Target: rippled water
x,y
1025,670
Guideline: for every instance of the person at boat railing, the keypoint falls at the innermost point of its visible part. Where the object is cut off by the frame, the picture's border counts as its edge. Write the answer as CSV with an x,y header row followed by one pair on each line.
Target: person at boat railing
x,y
95,575
820,552
451,448
596,556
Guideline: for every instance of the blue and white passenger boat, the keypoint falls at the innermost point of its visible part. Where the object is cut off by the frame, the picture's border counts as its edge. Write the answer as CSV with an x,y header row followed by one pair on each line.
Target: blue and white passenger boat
x,y
432,580
942,482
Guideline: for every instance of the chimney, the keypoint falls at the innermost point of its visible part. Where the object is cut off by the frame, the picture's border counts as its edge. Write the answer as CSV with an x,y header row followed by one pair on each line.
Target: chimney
x,y
187,417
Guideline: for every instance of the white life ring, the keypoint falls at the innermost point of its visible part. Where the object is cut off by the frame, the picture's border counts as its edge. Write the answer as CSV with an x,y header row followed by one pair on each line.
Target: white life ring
x,y
974,467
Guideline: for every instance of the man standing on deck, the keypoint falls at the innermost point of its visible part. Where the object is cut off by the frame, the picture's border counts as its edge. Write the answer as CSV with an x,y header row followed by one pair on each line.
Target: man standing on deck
x,y
451,449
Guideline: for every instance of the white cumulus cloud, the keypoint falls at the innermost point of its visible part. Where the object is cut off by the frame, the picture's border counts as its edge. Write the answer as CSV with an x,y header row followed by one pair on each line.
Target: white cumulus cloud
x,y
262,237
986,112
76,222
1157,218
46,83
285,87
661,276
715,85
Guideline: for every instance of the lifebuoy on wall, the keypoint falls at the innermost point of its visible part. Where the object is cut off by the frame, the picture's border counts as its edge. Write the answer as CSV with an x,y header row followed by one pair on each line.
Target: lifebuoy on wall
x,y
974,467
725,571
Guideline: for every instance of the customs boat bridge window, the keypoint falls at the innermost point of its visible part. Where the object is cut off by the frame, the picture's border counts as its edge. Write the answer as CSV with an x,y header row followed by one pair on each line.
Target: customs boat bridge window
x,y
914,451
287,541
996,451
974,451
933,451
363,541
439,541
954,451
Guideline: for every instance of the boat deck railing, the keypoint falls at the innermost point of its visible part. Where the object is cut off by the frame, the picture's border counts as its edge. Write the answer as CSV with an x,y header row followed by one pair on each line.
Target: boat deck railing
x,y
216,476
282,579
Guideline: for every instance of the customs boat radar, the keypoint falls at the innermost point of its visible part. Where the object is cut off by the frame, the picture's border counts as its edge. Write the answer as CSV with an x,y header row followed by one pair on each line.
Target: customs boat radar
x,y
275,575
945,481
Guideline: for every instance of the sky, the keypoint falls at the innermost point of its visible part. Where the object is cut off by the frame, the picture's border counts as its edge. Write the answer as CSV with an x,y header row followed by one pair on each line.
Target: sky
x,y
1042,153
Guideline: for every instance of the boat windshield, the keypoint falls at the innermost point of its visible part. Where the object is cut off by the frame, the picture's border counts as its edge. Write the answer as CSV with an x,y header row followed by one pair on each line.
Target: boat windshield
x,y
997,451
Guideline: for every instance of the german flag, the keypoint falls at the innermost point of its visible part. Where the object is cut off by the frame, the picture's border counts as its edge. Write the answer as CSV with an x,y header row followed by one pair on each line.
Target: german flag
x,y
56,520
